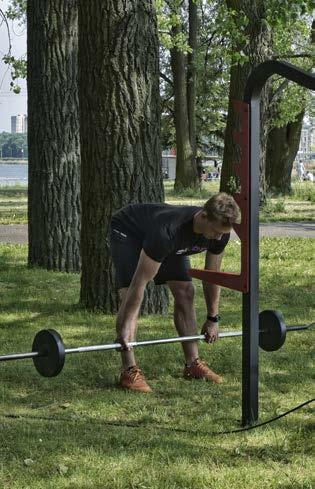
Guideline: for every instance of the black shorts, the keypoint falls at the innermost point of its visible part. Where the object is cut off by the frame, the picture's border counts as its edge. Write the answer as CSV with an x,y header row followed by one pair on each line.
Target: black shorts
x,y
126,251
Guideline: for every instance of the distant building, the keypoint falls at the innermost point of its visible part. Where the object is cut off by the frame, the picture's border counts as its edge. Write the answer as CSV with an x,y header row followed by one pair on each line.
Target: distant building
x,y
305,148
211,161
169,165
18,124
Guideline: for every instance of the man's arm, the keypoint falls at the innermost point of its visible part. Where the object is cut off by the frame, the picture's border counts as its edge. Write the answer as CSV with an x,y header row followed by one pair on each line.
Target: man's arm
x,y
128,313
212,296
212,291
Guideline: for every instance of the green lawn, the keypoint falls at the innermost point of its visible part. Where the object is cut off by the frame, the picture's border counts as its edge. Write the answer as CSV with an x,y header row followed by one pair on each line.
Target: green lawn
x,y
73,430
298,207
13,205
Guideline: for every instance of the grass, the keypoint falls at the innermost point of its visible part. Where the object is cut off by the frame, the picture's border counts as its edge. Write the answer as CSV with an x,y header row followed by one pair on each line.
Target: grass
x,y
64,434
300,206
13,204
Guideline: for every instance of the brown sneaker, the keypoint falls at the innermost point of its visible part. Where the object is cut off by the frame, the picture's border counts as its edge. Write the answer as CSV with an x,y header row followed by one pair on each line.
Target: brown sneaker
x,y
133,379
200,370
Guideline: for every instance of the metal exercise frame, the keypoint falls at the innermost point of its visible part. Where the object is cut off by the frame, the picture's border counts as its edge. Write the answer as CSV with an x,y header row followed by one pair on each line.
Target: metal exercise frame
x,y
247,169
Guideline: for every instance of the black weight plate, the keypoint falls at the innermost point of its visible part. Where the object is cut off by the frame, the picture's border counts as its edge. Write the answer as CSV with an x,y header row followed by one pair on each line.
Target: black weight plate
x,y
272,330
52,353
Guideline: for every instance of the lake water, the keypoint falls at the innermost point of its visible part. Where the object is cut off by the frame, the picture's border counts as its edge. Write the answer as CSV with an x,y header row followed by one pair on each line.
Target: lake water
x,y
13,174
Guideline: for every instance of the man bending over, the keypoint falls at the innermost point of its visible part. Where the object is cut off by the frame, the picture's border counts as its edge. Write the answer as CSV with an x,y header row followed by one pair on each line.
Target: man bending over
x,y
152,242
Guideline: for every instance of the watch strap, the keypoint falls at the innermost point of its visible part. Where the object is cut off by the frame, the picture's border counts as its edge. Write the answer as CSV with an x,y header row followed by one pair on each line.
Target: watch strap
x,y
214,319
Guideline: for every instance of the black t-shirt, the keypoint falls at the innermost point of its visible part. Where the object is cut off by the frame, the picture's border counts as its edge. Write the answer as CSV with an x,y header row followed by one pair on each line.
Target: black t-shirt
x,y
164,230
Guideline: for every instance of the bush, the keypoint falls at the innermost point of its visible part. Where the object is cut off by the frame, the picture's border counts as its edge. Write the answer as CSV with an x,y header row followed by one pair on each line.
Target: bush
x,y
272,207
304,191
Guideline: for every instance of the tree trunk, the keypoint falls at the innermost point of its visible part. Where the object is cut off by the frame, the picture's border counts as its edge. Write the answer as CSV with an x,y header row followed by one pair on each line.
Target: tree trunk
x,y
191,77
120,134
258,50
283,145
53,135
186,170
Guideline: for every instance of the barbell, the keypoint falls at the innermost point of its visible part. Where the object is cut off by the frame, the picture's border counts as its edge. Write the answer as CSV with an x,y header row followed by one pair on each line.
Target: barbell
x,y
48,350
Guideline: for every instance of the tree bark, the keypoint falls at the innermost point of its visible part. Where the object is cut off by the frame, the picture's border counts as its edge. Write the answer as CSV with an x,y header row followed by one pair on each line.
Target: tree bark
x,y
257,50
186,172
53,135
183,71
120,134
283,145
192,76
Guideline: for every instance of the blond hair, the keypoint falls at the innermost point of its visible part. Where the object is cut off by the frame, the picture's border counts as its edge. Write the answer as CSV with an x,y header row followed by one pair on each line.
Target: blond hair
x,y
223,208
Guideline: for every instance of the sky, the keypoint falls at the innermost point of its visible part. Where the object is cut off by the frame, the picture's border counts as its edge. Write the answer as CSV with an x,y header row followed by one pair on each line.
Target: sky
x,y
11,103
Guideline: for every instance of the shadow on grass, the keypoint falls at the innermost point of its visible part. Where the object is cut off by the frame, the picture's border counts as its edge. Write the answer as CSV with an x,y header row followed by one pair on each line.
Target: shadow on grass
x,y
120,438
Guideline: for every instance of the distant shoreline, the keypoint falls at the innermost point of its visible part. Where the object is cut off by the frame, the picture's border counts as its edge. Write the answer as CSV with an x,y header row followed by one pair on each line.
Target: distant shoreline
x,y
14,161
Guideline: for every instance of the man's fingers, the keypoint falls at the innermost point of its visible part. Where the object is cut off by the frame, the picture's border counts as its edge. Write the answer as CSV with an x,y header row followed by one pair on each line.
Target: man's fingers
x,y
124,345
210,338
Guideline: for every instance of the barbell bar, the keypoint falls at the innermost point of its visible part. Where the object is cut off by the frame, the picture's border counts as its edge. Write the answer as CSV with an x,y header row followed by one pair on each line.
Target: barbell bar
x,y
48,350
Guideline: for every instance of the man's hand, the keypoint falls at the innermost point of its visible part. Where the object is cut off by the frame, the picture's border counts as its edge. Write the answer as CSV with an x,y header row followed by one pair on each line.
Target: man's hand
x,y
210,330
124,338
126,325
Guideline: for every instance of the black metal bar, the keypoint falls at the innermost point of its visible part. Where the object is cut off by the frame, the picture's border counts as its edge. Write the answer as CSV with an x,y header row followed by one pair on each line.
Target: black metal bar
x,y
250,356
250,360
262,72
297,327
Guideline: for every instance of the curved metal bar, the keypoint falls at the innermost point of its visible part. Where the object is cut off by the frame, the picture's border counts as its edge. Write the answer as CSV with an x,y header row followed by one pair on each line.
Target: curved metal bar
x,y
299,327
250,362
262,72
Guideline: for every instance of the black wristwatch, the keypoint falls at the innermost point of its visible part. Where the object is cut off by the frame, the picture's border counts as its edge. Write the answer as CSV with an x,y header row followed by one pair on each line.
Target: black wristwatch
x,y
214,319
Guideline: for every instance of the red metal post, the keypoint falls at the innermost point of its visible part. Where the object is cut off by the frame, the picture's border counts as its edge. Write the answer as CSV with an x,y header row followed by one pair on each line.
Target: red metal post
x,y
237,281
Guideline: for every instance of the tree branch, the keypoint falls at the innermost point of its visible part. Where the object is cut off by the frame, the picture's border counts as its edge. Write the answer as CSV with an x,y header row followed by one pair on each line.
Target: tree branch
x,y
165,78
5,20
301,55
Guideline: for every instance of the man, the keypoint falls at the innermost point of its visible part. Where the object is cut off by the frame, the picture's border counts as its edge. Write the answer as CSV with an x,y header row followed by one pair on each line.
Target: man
x,y
300,170
153,241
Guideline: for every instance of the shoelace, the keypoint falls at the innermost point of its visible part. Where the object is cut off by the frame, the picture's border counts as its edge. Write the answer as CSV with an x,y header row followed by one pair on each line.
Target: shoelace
x,y
204,369
200,364
135,374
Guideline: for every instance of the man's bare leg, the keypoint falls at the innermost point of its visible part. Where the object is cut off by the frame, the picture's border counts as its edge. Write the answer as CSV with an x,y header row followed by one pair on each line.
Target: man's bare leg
x,y
184,316
131,378
186,325
127,357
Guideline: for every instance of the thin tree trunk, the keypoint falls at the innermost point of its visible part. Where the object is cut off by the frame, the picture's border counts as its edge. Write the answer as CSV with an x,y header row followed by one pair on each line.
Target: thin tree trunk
x,y
120,133
186,170
283,145
53,135
258,50
192,75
